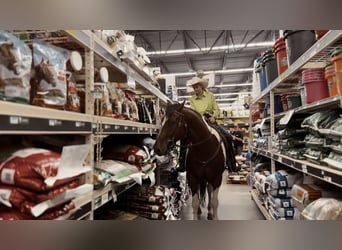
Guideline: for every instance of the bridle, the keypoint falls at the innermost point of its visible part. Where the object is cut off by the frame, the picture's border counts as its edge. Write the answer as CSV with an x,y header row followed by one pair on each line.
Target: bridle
x,y
190,145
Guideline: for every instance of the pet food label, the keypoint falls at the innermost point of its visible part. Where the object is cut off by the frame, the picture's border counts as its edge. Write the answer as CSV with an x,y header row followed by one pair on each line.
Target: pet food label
x,y
151,199
154,216
289,213
155,208
282,183
7,176
4,197
286,204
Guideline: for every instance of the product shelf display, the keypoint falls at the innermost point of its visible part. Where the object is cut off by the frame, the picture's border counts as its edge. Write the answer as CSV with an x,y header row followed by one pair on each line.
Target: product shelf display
x,y
298,130
82,106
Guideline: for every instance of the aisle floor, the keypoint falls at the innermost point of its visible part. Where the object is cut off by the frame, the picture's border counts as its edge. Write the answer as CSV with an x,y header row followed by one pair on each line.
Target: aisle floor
x,y
235,203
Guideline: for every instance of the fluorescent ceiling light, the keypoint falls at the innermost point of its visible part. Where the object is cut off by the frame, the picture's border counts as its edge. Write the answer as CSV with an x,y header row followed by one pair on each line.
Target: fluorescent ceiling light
x,y
180,98
218,72
216,48
225,85
220,94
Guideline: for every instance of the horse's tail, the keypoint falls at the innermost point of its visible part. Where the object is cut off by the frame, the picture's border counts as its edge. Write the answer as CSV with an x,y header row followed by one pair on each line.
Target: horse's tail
x,y
203,188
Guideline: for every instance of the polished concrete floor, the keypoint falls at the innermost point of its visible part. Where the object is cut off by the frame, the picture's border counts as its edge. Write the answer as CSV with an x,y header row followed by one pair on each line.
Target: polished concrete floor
x,y
235,203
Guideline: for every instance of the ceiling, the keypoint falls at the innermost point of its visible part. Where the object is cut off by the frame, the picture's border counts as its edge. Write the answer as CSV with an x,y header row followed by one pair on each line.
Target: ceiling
x,y
215,50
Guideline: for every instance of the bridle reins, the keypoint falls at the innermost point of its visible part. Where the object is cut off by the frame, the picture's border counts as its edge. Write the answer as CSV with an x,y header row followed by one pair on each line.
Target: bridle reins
x,y
191,145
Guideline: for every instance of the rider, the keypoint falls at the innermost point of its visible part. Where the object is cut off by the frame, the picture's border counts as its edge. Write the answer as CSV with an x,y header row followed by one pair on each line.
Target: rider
x,y
204,102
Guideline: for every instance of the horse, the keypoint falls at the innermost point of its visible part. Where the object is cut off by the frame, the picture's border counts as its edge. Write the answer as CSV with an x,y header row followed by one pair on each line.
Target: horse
x,y
43,71
8,58
205,162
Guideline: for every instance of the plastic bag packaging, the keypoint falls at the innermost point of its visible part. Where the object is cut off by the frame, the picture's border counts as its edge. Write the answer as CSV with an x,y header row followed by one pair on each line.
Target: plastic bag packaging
x,y
334,160
48,84
313,141
15,69
101,178
320,120
315,155
323,209
333,129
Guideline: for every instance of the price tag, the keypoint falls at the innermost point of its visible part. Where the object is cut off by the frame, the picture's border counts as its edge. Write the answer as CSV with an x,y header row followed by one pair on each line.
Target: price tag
x,y
79,124
114,196
14,120
97,202
125,128
97,95
105,198
304,169
280,159
54,123
327,178
131,81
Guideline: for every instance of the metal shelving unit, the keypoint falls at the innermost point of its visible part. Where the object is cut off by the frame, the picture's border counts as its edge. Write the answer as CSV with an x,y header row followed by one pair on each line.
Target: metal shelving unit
x,y
261,207
315,56
331,175
26,119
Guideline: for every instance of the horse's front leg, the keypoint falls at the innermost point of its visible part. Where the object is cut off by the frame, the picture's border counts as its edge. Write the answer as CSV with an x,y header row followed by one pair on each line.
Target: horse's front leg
x,y
210,204
215,202
196,206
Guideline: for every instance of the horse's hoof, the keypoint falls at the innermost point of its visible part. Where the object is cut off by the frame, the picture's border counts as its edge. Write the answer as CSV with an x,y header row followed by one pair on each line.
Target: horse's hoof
x,y
210,217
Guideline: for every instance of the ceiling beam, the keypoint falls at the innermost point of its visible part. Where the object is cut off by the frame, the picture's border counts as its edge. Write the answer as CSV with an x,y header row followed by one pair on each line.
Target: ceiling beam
x,y
226,42
219,36
187,58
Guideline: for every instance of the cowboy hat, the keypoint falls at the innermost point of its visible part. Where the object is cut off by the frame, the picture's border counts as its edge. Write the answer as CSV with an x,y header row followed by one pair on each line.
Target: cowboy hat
x,y
197,80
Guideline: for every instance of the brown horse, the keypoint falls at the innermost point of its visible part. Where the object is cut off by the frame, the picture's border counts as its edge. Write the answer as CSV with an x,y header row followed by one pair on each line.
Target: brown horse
x,y
43,71
8,58
205,160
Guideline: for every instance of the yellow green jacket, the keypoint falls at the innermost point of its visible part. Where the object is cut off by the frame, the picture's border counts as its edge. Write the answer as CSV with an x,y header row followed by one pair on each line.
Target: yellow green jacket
x,y
205,104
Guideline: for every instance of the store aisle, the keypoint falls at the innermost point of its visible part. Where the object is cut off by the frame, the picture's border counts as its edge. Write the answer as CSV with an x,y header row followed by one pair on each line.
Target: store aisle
x,y
235,204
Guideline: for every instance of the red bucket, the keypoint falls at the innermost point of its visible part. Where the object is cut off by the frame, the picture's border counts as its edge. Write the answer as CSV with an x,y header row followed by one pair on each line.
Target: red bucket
x,y
316,90
279,49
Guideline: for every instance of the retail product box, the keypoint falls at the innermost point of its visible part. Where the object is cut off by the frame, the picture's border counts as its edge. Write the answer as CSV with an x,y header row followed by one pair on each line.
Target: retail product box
x,y
303,194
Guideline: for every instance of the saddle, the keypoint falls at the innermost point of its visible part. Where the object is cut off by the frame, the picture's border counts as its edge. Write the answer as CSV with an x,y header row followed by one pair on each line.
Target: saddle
x,y
227,139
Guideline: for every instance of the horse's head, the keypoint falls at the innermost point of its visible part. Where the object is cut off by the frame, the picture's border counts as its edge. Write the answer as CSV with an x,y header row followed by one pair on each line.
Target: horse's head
x,y
8,58
173,128
44,71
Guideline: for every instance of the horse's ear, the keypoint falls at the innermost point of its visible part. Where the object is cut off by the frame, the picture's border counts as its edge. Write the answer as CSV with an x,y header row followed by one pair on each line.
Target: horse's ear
x,y
183,103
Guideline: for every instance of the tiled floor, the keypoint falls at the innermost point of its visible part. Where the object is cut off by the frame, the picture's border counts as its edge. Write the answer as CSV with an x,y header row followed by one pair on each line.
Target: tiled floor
x,y
235,203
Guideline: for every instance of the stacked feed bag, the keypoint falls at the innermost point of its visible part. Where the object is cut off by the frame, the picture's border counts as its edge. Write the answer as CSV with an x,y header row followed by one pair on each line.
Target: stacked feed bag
x,y
323,145
259,185
41,184
278,188
155,203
